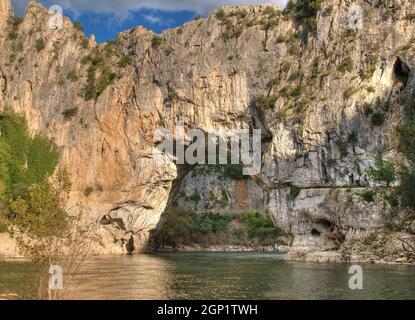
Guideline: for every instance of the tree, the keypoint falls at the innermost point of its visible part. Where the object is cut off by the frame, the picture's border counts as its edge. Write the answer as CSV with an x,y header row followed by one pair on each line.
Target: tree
x,y
407,188
33,201
49,235
407,138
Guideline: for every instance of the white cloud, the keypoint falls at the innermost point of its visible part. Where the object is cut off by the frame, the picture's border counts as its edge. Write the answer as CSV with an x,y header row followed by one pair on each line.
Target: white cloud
x,y
152,19
123,7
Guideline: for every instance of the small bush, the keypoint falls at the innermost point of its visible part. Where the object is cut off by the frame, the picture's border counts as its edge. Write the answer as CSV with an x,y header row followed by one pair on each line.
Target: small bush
x,y
407,138
169,51
342,145
12,35
104,80
96,86
3,227
70,113
260,225
225,200
368,109
294,192
264,103
232,32
371,239
410,16
156,42
369,196
78,26
195,197
273,82
296,91
84,42
220,14
353,137
173,96
14,21
378,119
346,66
304,12
125,61
40,44
234,172
385,172
72,76
407,189
350,92
88,191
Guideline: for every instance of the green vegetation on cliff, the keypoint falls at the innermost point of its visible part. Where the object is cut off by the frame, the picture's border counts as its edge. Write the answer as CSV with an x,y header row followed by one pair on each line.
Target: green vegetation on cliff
x,y
32,201
407,139
24,160
304,11
185,227
25,164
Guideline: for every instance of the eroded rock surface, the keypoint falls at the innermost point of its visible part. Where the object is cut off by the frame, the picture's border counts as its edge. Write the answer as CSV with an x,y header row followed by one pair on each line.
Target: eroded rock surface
x,y
319,139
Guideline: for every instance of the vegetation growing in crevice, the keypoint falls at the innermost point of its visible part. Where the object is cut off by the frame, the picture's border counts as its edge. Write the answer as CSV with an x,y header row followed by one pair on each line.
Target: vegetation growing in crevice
x,y
368,196
265,102
384,172
156,42
69,113
406,190
40,44
236,21
14,23
304,12
346,66
99,75
78,26
294,192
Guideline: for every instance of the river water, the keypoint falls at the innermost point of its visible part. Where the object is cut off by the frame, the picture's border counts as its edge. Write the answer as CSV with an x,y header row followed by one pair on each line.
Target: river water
x,y
219,276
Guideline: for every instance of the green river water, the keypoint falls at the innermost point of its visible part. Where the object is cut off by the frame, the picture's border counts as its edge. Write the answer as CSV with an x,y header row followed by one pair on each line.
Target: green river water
x,y
219,276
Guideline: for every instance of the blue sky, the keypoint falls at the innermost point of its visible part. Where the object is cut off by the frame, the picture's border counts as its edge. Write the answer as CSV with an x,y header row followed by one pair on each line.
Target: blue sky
x,y
105,18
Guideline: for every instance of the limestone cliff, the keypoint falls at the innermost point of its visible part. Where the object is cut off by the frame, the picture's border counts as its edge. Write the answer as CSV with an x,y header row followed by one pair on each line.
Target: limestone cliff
x,y
312,91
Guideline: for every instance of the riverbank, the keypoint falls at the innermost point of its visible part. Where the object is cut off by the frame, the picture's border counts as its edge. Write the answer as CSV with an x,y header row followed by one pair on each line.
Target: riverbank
x,y
225,248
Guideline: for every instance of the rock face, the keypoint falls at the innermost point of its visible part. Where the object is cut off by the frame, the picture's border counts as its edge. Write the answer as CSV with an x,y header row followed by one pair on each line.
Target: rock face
x,y
208,191
319,136
6,11
8,247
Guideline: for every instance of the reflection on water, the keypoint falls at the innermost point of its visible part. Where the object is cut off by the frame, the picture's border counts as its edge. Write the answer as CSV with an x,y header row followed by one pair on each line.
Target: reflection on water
x,y
222,276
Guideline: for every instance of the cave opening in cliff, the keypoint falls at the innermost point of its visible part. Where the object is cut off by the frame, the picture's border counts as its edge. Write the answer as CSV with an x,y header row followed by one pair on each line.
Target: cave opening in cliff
x,y
315,233
401,71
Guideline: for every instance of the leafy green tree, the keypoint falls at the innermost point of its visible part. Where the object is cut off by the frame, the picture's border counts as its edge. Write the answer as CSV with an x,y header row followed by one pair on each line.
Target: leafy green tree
x,y
5,160
35,216
24,160
38,214
260,225
407,189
